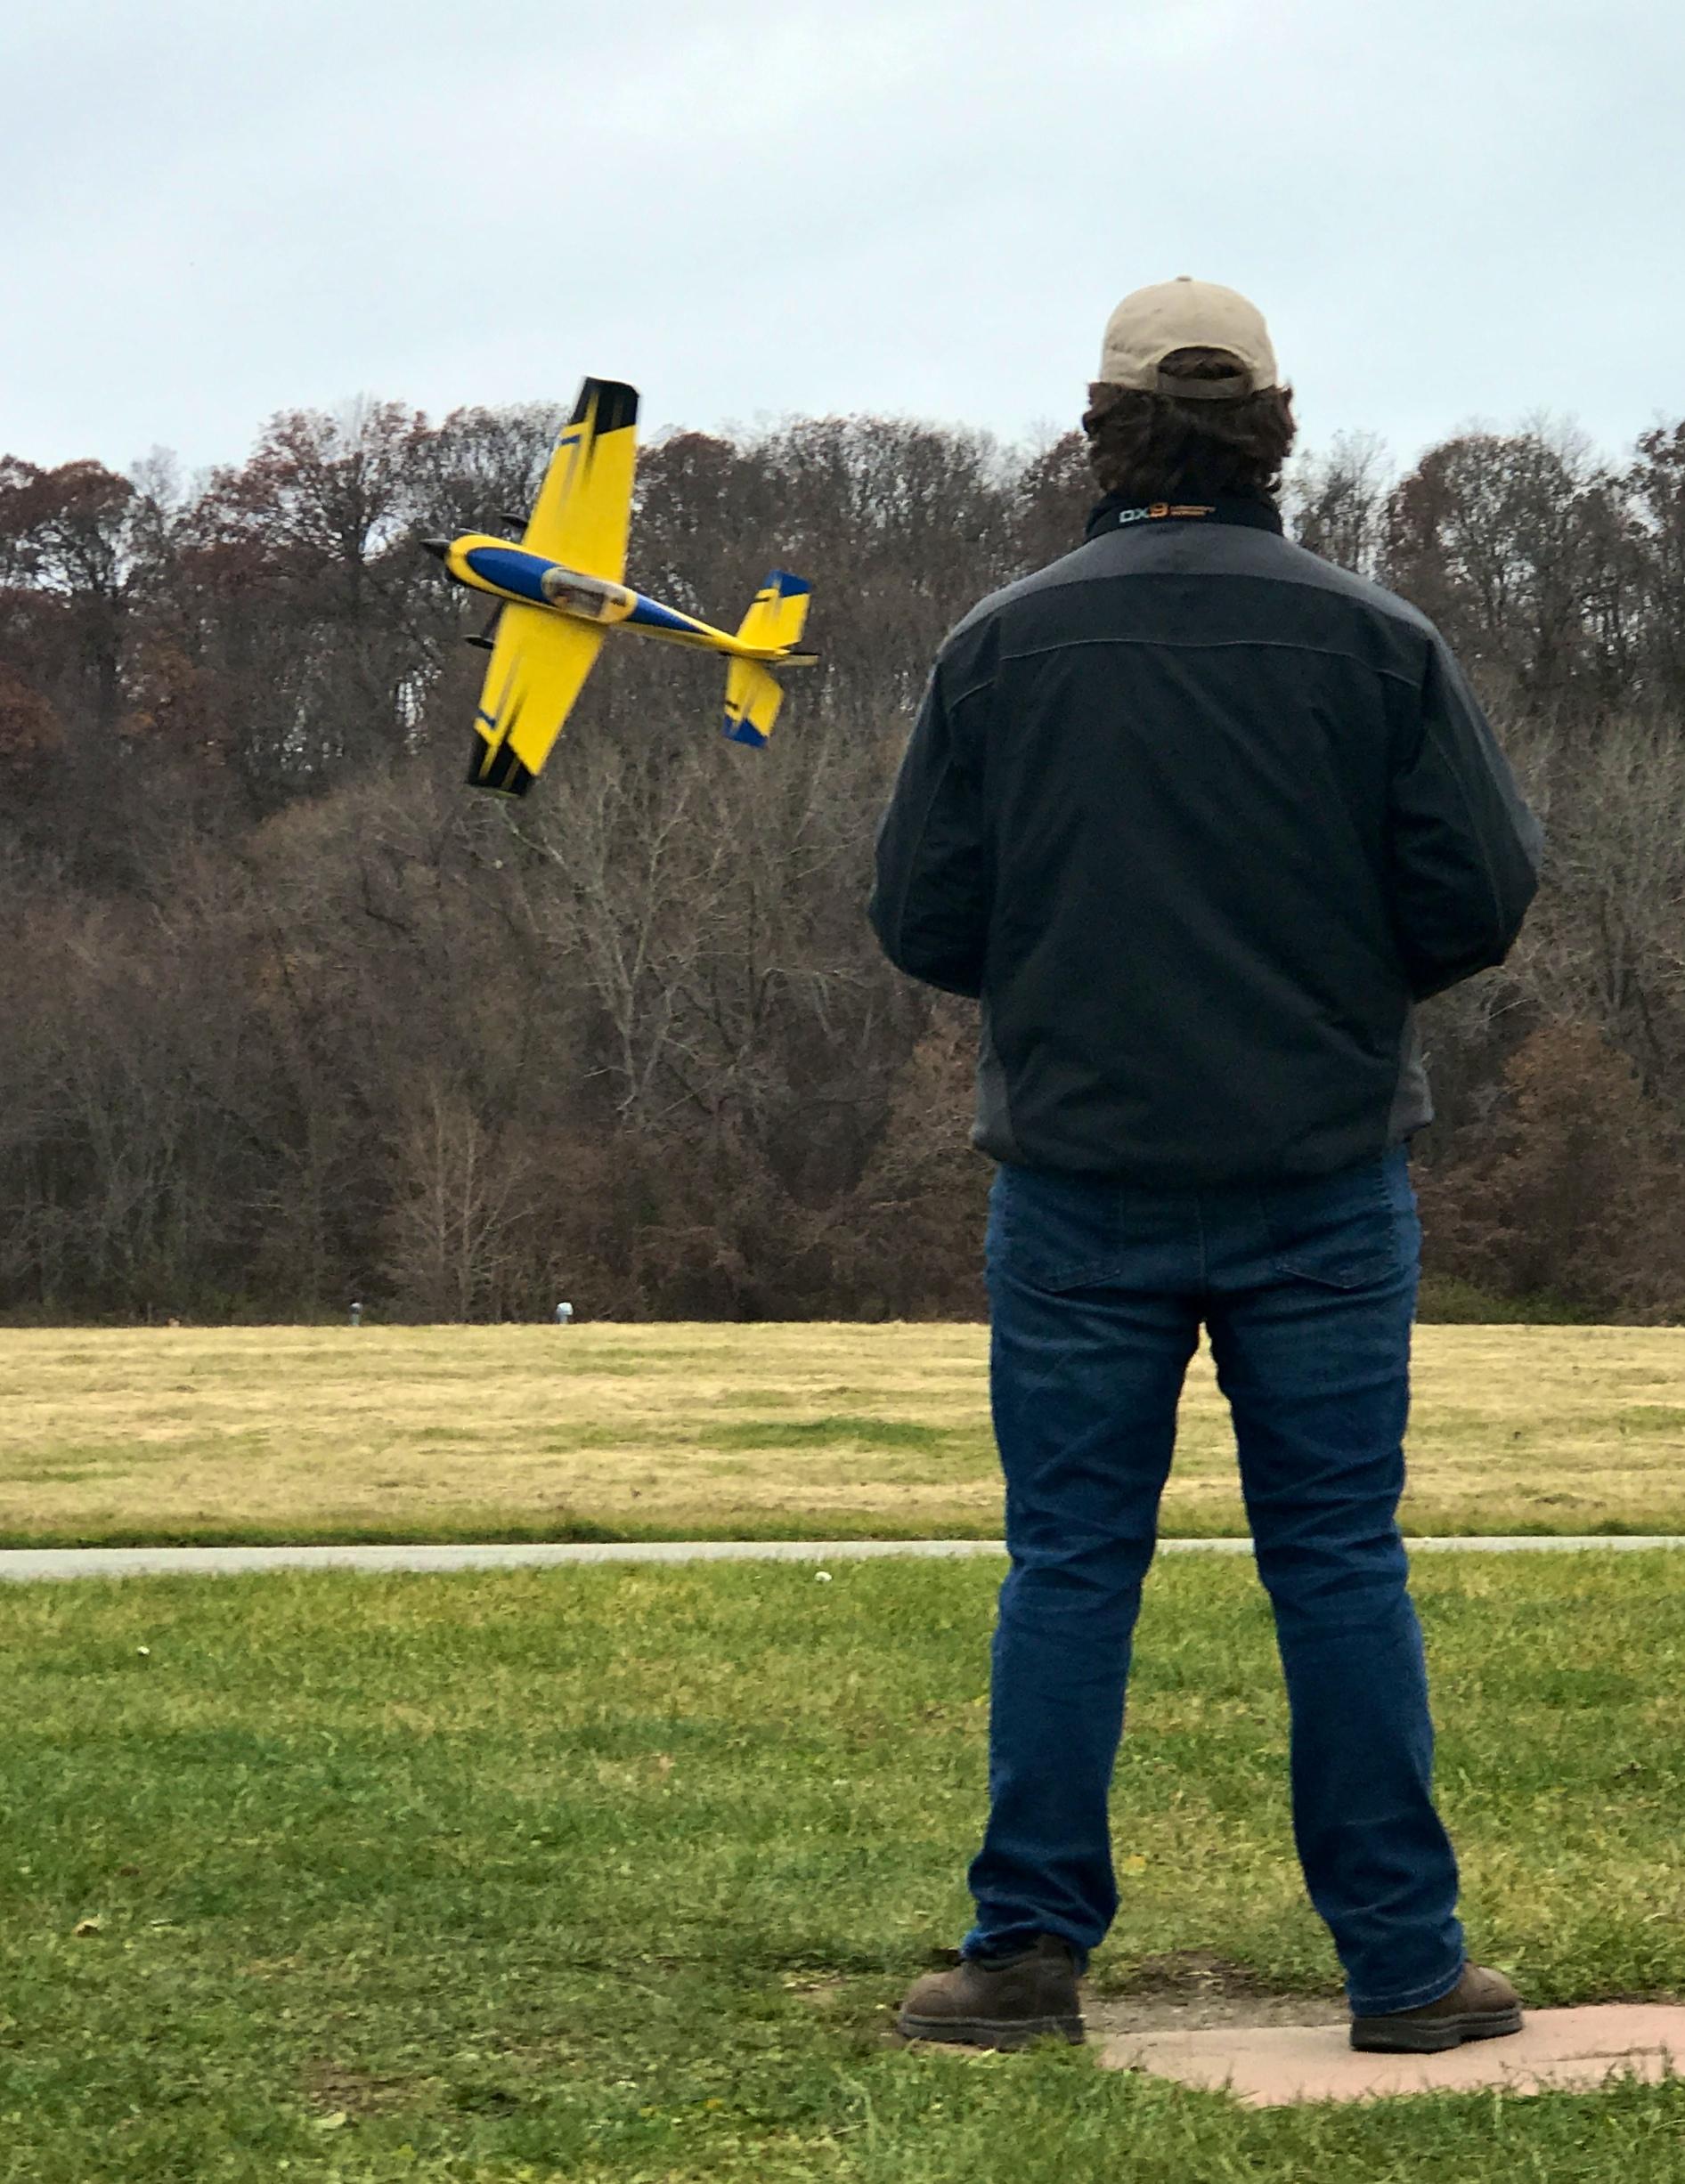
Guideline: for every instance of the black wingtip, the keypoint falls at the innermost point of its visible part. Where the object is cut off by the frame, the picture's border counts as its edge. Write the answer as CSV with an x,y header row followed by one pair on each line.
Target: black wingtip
x,y
504,773
613,402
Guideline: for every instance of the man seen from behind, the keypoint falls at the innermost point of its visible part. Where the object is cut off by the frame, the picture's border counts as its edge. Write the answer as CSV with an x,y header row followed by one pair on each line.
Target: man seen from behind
x,y
1199,819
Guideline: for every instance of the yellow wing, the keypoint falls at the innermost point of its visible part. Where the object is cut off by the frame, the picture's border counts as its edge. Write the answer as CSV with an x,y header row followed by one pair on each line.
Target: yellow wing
x,y
585,504
539,665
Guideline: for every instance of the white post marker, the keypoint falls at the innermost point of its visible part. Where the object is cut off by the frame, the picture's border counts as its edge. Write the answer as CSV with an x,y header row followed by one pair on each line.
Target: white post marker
x,y
356,1315
564,1314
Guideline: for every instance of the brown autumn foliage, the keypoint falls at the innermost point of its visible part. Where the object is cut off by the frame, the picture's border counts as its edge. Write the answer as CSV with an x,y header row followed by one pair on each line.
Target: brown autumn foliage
x,y
293,1019
1571,1189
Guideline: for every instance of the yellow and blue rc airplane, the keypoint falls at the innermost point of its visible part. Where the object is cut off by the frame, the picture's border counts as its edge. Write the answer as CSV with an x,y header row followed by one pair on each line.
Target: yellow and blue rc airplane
x,y
560,593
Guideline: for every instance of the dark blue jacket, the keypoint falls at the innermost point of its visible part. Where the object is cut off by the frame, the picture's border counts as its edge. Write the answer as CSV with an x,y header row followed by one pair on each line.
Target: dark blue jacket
x,y
1199,817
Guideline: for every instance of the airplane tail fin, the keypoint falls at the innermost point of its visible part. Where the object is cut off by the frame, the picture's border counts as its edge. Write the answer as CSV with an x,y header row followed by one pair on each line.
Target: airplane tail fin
x,y
753,692
779,613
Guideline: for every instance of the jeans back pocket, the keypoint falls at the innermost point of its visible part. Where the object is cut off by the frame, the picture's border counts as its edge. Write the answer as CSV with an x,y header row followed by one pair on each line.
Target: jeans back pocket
x,y
1052,1229
1347,1230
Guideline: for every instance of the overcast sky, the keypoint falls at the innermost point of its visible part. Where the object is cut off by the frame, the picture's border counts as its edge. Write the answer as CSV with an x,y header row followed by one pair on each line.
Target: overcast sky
x,y
1448,209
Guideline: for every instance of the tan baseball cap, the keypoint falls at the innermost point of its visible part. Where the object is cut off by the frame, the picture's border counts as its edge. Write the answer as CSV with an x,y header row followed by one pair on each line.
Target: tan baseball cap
x,y
1184,313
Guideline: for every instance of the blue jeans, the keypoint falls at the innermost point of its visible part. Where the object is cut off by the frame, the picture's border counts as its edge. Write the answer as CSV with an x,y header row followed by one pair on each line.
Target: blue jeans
x,y
1097,1292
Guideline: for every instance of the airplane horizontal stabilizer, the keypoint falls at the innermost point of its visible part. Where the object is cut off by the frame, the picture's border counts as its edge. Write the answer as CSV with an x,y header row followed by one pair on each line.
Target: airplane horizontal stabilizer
x,y
774,623
754,694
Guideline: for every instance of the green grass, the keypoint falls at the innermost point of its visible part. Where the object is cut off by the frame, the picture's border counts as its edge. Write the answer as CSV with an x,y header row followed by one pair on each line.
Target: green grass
x,y
796,1433
617,1873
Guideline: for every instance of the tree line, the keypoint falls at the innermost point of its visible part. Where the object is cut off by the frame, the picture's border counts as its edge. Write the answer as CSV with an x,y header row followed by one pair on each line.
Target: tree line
x,y
294,1018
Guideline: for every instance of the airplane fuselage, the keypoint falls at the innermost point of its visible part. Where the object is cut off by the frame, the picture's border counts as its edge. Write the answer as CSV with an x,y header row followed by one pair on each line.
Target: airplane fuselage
x,y
510,572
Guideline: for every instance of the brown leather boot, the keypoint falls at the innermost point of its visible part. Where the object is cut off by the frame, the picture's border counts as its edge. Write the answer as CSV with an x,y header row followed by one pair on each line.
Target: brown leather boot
x,y
1482,2006
1002,2003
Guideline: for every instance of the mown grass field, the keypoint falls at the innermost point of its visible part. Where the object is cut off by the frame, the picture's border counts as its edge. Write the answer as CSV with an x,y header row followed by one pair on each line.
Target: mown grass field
x,y
618,1873
797,1430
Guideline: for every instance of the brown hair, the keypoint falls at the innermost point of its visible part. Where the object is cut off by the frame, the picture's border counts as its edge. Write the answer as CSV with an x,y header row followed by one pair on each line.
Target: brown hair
x,y
1152,447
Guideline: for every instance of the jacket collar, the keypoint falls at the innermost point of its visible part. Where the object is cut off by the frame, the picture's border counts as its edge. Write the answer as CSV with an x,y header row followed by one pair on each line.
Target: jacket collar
x,y
1119,512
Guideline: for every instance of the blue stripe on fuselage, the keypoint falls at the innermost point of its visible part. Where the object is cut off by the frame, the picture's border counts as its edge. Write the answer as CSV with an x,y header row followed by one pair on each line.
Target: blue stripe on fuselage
x,y
742,731
510,569
651,615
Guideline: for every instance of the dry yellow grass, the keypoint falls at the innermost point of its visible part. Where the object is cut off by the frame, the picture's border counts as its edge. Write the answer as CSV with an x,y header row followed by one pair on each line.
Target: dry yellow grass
x,y
802,1430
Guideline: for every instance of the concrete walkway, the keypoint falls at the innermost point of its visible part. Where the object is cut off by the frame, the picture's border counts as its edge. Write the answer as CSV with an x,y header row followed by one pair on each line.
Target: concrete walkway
x,y
1556,2051
26,1562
